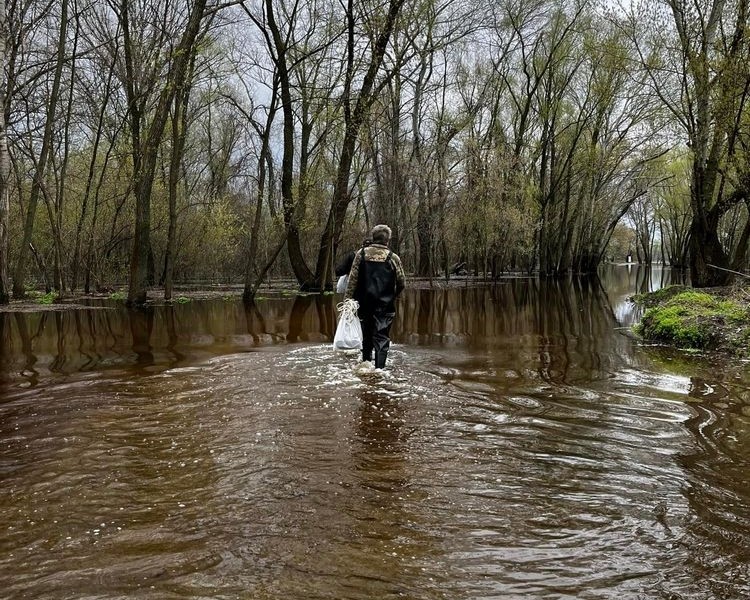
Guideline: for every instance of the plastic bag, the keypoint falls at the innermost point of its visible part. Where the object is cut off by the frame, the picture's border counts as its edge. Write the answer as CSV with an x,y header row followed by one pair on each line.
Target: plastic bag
x,y
341,284
348,330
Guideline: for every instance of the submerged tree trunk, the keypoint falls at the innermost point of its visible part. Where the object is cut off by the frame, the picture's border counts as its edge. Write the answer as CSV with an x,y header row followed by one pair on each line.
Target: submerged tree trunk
x,y
709,263
179,134
178,139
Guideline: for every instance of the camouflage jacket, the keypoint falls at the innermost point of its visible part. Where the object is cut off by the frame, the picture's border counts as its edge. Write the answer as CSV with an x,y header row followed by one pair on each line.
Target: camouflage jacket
x,y
377,281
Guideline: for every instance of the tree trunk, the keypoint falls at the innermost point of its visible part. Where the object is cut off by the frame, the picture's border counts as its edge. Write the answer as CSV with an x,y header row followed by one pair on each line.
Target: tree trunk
x,y
714,106
707,258
89,182
179,134
424,235
297,260
56,216
4,170
353,119
145,154
91,246
254,277
739,261
709,262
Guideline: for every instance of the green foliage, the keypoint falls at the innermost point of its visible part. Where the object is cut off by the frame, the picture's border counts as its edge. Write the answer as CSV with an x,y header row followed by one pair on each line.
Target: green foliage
x,y
494,219
182,300
48,298
208,240
117,296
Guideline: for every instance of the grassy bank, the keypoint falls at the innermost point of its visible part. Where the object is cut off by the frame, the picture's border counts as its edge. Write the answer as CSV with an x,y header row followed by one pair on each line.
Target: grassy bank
x,y
704,320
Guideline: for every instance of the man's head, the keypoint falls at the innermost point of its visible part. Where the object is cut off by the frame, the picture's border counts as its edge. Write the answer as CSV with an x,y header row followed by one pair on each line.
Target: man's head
x,y
381,234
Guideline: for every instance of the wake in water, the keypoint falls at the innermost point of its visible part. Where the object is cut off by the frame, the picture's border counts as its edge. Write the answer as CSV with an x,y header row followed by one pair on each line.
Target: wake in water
x,y
328,369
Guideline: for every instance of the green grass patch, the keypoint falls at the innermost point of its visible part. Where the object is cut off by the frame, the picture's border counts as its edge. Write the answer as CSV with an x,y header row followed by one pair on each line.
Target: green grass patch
x,y
695,320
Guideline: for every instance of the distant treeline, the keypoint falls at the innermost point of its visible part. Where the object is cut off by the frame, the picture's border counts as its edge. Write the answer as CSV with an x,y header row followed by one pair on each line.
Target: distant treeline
x,y
156,141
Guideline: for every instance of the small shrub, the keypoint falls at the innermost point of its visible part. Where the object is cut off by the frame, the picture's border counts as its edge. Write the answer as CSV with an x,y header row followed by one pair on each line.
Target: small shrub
x,y
48,298
117,296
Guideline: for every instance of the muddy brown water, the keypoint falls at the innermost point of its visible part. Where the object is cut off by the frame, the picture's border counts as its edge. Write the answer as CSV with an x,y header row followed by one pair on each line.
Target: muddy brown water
x,y
521,445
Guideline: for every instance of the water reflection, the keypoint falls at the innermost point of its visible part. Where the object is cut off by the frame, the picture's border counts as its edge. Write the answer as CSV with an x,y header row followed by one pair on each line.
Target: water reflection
x,y
141,322
568,325
519,446
170,319
564,330
299,321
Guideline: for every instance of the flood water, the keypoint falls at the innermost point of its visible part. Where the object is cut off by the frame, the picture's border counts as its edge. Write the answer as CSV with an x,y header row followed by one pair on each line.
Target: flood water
x,y
520,445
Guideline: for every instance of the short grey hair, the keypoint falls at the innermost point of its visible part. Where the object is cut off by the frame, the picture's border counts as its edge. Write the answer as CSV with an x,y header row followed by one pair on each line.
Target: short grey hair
x,y
381,234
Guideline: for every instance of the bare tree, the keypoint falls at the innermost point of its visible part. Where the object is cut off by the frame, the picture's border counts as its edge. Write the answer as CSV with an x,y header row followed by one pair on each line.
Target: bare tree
x,y
255,273
99,134
179,134
19,274
146,133
355,114
278,42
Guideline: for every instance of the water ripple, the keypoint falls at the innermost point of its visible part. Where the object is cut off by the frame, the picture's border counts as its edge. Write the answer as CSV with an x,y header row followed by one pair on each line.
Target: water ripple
x,y
299,473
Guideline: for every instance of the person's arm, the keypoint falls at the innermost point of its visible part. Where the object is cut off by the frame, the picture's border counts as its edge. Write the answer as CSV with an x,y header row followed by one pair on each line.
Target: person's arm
x,y
400,277
351,286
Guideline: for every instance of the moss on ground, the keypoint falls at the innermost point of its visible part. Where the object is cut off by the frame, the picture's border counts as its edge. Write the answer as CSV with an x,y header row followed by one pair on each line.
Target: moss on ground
x,y
659,296
697,320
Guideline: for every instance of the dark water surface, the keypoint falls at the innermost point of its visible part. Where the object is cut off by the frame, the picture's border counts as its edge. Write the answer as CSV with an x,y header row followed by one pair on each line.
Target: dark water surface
x,y
521,445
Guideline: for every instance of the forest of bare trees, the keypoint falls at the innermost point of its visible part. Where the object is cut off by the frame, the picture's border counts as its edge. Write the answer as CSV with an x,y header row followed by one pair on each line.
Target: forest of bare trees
x,y
145,143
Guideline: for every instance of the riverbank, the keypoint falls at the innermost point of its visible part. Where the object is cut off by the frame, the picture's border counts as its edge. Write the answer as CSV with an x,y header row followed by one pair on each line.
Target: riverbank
x,y
705,320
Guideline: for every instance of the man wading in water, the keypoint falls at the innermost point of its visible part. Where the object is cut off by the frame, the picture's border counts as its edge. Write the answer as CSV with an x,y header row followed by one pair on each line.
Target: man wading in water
x,y
375,281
